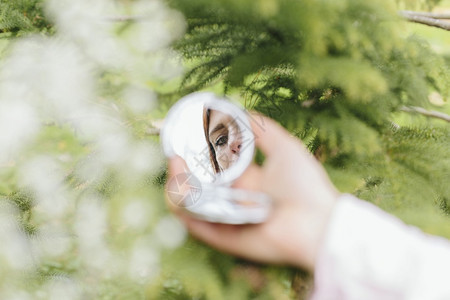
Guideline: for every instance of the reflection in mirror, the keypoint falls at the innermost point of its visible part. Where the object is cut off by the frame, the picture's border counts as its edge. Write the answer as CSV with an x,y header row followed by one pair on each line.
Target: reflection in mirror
x,y
212,135
223,137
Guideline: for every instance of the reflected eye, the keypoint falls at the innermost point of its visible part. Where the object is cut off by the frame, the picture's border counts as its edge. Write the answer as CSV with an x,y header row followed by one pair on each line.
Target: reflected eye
x,y
222,140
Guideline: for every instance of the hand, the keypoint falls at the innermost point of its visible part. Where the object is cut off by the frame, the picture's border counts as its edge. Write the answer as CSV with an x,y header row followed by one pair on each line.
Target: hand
x,y
303,195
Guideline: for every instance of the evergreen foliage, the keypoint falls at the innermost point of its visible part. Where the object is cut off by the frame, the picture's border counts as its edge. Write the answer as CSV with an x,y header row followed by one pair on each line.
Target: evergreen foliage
x,y
21,16
333,73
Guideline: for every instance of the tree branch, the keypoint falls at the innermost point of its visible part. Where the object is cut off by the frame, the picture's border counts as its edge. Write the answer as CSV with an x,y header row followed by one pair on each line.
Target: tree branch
x,y
427,14
426,19
428,113
125,18
155,127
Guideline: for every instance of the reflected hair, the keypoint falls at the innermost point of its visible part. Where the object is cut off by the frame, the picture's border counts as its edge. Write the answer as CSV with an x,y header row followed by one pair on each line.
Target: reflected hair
x,y
212,152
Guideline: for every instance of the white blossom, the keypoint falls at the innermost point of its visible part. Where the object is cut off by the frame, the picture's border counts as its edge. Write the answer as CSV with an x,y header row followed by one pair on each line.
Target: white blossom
x,y
136,214
18,126
144,261
55,95
139,100
15,252
170,232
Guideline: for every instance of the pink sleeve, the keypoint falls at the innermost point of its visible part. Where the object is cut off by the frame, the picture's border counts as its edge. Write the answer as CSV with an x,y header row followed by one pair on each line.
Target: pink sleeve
x,y
369,254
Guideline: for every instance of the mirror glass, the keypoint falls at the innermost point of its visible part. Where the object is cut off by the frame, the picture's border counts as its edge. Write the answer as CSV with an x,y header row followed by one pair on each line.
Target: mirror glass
x,y
215,139
212,135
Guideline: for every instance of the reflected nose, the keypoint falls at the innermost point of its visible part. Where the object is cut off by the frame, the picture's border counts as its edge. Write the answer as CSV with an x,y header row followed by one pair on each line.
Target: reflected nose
x,y
236,146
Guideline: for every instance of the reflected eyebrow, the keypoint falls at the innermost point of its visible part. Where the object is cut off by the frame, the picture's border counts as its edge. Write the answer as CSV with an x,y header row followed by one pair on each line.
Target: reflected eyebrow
x,y
217,128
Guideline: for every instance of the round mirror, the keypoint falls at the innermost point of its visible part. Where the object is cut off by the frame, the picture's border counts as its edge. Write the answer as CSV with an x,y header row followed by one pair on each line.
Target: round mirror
x,y
215,140
212,135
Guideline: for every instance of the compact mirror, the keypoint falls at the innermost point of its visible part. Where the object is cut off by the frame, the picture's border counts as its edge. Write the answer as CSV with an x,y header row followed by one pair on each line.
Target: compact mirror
x,y
215,140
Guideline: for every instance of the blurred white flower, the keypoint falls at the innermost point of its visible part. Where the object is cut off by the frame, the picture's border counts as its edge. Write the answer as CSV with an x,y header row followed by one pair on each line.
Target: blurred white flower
x,y
56,77
62,83
145,157
90,228
83,22
155,26
51,243
136,214
144,261
148,35
91,221
61,287
113,148
43,175
170,232
90,169
93,122
15,252
139,100
14,294
18,126
164,65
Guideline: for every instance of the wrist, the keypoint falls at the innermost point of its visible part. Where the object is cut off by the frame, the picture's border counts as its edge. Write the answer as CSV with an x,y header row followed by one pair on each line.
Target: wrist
x,y
313,227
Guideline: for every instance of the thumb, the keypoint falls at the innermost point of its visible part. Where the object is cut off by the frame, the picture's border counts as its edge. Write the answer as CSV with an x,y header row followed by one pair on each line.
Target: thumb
x,y
176,166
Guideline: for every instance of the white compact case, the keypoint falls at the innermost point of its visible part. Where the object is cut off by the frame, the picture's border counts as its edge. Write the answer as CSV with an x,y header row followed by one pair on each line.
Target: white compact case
x,y
215,140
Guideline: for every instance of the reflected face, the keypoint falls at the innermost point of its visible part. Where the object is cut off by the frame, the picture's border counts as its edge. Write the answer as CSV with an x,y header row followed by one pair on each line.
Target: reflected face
x,y
224,138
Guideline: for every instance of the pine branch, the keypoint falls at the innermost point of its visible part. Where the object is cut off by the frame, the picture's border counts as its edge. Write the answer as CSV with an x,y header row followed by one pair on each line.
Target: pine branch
x,y
426,19
428,113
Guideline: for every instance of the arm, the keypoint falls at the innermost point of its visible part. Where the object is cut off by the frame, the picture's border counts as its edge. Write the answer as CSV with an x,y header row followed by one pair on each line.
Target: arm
x,y
369,254
356,250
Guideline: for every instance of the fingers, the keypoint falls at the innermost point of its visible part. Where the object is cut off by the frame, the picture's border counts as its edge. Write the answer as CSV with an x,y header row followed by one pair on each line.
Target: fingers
x,y
250,180
240,240
220,236
176,166
270,137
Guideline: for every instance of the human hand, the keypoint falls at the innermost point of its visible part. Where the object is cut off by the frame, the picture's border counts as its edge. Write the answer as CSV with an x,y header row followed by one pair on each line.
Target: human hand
x,y
303,201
